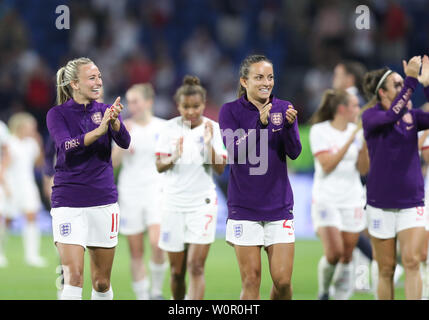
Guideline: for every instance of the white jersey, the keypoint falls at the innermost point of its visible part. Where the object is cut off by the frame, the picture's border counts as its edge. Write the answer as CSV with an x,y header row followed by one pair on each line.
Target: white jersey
x,y
342,186
4,137
190,181
20,177
138,172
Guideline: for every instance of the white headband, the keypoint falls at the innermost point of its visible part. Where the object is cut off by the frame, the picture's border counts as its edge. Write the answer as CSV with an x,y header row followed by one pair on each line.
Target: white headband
x,y
382,80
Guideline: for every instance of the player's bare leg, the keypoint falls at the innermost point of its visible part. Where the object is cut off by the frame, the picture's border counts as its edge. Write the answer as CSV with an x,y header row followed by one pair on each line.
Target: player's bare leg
x,y
72,259
385,255
101,270
157,263
138,270
178,272
411,242
280,258
249,263
197,255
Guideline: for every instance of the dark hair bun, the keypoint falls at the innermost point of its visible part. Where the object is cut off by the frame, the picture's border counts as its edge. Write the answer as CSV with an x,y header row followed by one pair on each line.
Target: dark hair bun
x,y
191,81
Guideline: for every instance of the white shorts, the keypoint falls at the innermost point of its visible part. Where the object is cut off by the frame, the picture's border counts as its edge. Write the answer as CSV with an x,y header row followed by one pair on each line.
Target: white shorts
x,y
88,227
259,233
179,227
138,214
386,223
345,219
25,199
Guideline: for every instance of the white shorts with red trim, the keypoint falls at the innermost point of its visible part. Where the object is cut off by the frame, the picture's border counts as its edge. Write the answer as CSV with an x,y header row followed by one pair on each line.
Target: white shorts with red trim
x,y
259,233
196,226
387,223
89,227
344,219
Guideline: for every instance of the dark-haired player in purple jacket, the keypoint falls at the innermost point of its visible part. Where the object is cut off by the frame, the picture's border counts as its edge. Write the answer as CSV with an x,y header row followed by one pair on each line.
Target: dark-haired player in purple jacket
x,y
395,187
259,132
85,213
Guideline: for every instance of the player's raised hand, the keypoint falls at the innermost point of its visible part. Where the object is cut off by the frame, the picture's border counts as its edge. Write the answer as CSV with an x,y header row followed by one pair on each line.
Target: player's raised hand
x,y
264,113
412,68
291,114
116,109
179,150
208,132
424,75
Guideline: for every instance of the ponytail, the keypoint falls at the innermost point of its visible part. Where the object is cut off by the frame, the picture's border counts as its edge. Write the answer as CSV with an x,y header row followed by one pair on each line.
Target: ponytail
x,y
67,74
331,99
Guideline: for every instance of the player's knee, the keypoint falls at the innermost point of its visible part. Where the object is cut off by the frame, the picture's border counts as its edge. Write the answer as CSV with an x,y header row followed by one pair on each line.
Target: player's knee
x,y
252,279
334,256
75,278
283,284
387,270
101,285
196,268
411,261
177,273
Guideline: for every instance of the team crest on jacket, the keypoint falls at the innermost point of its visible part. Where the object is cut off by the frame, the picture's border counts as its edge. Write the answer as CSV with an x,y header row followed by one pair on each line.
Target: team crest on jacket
x,y
96,118
277,118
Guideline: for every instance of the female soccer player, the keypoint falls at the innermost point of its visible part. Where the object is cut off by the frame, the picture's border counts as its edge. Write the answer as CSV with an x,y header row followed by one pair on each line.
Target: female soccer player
x,y
85,213
338,195
139,188
25,151
188,150
260,199
395,187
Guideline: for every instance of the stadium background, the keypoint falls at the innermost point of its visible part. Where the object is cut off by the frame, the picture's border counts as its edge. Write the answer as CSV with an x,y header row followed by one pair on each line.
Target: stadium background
x,y
160,41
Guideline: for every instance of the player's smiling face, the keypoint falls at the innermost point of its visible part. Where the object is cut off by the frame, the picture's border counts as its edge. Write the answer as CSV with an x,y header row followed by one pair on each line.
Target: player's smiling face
x,y
191,109
260,81
89,85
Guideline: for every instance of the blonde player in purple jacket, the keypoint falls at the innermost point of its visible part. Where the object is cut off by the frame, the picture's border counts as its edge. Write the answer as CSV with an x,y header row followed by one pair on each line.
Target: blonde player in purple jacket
x,y
395,186
85,212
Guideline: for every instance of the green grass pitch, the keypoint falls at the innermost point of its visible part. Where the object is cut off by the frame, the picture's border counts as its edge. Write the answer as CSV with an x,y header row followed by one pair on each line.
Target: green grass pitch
x,y
21,282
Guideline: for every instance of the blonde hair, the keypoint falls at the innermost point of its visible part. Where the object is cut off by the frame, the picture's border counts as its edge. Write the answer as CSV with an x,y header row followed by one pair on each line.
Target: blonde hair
x,y
17,120
66,75
145,89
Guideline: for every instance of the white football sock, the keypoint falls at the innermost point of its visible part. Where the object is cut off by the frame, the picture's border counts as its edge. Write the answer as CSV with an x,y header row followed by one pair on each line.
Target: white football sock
x,y
325,272
141,289
343,281
108,295
71,293
157,273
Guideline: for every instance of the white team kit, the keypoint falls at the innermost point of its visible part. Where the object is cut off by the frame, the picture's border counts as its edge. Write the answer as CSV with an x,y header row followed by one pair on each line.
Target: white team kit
x,y
4,138
426,146
139,183
190,201
338,197
24,194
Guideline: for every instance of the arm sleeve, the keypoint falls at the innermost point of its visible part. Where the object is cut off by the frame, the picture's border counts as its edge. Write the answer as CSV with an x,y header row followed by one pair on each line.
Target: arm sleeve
x,y
121,137
291,139
373,119
163,146
217,141
58,129
422,119
318,143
